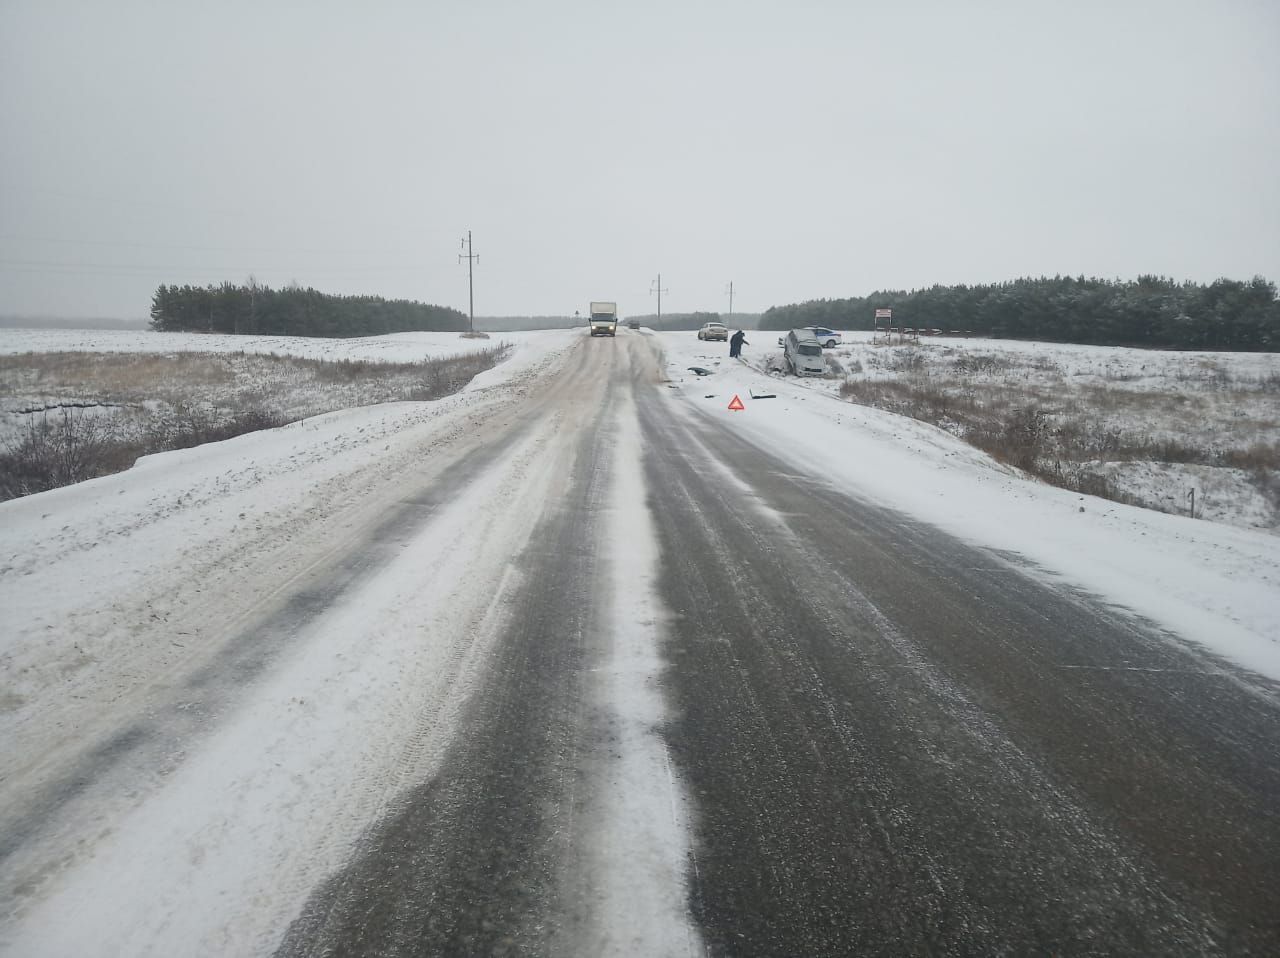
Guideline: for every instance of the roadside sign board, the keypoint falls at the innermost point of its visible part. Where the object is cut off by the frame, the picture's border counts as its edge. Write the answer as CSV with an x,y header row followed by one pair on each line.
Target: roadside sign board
x,y
884,314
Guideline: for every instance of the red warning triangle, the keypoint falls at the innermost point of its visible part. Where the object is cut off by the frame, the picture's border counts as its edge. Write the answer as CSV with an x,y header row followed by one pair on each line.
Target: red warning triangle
x,y
737,404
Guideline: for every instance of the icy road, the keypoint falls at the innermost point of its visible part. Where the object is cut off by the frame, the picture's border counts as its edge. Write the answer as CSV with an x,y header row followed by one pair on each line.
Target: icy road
x,y
580,663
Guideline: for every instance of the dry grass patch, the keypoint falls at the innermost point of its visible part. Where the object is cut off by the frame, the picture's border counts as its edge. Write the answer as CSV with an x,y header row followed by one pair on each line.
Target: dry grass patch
x,y
124,377
1076,430
67,417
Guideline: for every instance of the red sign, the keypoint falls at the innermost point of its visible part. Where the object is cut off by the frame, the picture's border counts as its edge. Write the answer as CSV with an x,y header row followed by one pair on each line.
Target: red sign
x,y
736,405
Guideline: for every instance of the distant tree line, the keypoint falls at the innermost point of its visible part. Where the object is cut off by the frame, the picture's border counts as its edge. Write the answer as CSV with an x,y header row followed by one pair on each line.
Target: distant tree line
x,y
502,324
292,311
1149,311
678,320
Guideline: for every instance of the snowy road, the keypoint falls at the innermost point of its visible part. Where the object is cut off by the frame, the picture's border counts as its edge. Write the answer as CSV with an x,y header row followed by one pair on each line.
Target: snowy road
x,y
567,667
901,744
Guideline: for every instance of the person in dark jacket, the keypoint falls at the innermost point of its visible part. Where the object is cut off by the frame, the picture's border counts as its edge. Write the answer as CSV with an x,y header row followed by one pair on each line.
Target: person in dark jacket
x,y
736,342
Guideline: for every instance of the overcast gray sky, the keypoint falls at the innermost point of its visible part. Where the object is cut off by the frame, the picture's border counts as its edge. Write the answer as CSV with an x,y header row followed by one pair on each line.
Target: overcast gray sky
x,y
801,149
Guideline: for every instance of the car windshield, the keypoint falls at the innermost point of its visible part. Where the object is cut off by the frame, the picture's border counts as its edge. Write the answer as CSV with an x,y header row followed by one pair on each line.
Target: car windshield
x,y
809,349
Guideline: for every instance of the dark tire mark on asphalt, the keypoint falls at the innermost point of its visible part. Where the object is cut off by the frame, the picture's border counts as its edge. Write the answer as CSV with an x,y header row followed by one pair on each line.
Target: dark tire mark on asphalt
x,y
888,755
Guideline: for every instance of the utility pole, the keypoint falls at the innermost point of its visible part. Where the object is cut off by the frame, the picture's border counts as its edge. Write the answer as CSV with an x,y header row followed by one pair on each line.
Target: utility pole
x,y
472,259
253,303
656,287
730,302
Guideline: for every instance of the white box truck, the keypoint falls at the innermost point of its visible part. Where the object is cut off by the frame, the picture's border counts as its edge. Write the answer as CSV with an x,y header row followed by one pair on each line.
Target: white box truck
x,y
604,319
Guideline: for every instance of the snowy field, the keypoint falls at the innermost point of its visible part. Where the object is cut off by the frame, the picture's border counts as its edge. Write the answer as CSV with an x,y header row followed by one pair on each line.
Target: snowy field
x,y
1098,365
1161,429
149,382
395,348
527,348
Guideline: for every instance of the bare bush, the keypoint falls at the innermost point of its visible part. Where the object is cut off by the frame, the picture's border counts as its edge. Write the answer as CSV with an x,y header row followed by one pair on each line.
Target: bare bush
x,y
906,360
345,370
1262,463
1259,456
979,364
58,450
1080,477
441,377
1019,437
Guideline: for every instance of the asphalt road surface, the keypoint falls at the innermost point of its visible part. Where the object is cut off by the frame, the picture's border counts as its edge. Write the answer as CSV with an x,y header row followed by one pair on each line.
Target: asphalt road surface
x,y
900,744
875,738
895,743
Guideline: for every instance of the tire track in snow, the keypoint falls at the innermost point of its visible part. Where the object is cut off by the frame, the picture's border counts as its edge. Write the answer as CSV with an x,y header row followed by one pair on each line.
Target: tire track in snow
x,y
553,826
467,863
